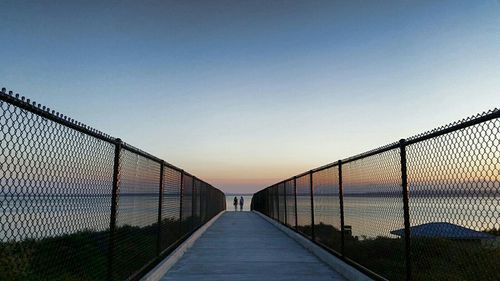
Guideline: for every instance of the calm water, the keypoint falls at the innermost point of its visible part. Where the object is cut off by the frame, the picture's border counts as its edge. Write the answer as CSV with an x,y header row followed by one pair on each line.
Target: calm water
x,y
38,217
378,216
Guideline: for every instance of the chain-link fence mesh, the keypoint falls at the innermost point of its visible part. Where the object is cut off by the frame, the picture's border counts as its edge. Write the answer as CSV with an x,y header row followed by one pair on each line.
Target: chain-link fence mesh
x,y
69,211
426,208
196,203
455,187
55,189
203,205
137,214
275,203
327,208
187,204
170,214
373,207
304,208
282,202
290,203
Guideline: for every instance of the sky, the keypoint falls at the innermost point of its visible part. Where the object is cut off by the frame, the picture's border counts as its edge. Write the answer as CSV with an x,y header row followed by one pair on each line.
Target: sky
x,y
246,93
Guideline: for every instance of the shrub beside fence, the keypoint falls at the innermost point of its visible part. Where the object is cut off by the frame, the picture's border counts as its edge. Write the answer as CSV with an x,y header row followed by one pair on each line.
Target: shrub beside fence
x,y
423,208
77,204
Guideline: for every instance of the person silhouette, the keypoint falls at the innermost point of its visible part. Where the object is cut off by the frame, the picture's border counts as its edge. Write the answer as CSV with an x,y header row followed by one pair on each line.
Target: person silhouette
x,y
241,203
235,203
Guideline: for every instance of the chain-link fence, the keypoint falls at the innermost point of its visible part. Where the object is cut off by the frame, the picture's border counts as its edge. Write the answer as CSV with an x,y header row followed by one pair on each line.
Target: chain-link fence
x,y
77,204
424,208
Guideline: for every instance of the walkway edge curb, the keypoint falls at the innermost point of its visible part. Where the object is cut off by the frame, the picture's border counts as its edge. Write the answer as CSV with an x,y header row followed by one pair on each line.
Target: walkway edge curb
x,y
166,264
347,271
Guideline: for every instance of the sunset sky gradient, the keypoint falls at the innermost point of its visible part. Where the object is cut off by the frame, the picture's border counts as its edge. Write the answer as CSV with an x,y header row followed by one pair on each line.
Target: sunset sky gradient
x,y
246,93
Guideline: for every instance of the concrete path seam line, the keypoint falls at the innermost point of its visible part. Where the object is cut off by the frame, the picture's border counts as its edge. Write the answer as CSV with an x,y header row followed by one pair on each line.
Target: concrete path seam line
x,y
332,261
166,264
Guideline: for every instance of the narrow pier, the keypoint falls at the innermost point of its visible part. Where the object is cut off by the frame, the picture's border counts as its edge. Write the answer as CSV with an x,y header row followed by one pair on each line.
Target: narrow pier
x,y
241,246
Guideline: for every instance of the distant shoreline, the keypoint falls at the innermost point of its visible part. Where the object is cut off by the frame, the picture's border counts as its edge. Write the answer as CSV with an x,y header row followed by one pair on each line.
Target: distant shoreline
x,y
239,194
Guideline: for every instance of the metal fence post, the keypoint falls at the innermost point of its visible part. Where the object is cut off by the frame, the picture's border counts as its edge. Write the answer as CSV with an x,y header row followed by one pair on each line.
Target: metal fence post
x,y
406,207
341,203
114,207
160,203
295,195
313,236
180,198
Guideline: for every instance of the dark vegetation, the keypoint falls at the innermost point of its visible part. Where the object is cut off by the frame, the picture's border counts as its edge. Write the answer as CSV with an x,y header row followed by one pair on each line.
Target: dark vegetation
x,y
84,255
432,258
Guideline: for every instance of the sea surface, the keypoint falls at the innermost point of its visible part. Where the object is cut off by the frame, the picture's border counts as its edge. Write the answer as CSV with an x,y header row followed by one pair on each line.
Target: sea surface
x,y
25,217
372,216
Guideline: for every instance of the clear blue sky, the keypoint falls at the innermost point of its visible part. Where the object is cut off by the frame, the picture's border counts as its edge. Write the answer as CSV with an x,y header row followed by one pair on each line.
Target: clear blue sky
x,y
245,93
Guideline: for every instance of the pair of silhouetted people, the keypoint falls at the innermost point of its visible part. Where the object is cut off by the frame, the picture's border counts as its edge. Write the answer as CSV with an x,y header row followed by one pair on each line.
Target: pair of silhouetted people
x,y
235,203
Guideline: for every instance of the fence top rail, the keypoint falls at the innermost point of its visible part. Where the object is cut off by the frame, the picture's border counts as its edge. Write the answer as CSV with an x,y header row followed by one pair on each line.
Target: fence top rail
x,y
451,127
45,112
455,126
52,115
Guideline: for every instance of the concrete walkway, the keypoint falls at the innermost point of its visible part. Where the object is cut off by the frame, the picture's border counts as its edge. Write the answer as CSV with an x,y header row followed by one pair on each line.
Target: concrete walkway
x,y
241,246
